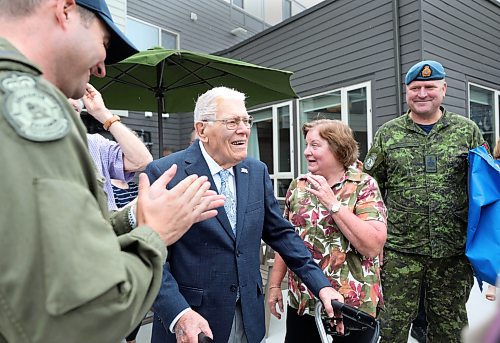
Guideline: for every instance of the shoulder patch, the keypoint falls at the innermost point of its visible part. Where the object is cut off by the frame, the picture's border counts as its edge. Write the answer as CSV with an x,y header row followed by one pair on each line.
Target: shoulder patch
x,y
32,112
370,161
17,81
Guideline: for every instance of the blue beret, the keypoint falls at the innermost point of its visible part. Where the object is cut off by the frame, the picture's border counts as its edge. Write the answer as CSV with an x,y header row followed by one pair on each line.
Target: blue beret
x,y
425,71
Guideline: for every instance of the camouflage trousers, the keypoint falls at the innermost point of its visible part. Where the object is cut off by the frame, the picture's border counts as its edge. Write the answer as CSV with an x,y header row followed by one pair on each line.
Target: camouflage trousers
x,y
448,282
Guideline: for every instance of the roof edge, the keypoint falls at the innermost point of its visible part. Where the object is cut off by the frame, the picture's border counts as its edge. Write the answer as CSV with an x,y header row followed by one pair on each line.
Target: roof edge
x,y
275,27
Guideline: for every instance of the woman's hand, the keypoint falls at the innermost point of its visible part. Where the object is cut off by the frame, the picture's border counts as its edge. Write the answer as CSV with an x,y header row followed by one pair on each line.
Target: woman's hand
x,y
322,190
275,297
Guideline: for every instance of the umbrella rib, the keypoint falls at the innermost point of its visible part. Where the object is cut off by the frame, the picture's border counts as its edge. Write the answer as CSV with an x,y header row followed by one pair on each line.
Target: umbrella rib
x,y
197,82
193,72
118,79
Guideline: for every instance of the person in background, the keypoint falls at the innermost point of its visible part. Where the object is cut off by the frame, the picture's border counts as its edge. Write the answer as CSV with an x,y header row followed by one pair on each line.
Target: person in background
x,y
491,291
192,137
124,192
65,275
118,159
212,280
339,213
166,151
420,163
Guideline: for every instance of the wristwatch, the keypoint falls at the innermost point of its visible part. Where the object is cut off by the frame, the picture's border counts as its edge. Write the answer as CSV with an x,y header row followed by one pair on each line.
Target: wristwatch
x,y
335,207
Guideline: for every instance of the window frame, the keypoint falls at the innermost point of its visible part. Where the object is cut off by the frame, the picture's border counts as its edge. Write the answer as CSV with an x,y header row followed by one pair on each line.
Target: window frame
x,y
159,29
277,174
344,113
496,105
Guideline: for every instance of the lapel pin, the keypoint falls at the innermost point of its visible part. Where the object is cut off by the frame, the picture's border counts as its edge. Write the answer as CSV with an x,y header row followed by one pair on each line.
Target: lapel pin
x,y
244,170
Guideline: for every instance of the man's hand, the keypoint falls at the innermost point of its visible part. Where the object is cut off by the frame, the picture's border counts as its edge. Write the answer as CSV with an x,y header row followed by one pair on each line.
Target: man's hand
x,y
275,298
172,212
189,325
327,294
95,104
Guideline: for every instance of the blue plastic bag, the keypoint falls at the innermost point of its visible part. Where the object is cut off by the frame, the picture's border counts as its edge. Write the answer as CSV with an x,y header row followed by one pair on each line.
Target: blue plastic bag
x,y
483,229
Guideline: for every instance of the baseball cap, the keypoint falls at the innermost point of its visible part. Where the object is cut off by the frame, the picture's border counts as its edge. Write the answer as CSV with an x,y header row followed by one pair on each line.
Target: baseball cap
x,y
119,46
425,71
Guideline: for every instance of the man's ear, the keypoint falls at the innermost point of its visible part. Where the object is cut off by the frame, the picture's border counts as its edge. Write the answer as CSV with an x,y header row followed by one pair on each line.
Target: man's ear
x,y
64,10
200,131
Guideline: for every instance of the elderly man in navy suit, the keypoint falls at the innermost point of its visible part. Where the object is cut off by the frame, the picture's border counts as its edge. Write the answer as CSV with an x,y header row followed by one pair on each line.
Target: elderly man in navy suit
x,y
212,280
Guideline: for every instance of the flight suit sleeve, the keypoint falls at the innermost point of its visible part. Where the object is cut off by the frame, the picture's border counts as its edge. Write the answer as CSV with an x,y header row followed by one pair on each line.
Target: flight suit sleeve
x,y
65,273
120,220
91,275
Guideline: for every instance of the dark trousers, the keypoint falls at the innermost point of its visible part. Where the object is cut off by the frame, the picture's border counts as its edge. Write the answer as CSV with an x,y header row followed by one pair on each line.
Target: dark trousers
x,y
421,319
133,335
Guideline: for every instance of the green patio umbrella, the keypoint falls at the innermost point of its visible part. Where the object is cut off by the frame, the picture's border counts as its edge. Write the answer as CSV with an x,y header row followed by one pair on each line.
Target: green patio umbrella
x,y
161,80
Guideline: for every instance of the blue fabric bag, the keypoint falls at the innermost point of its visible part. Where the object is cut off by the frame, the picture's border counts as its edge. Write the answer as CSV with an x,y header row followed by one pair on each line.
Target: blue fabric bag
x,y
483,229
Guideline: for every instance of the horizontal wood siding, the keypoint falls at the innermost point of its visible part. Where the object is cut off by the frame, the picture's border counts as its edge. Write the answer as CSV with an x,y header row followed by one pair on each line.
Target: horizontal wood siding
x,y
334,44
464,35
209,33
176,129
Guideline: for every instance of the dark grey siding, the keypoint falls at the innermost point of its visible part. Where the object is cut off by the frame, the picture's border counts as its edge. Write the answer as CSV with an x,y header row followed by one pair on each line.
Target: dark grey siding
x,y
334,44
343,42
209,33
176,129
464,35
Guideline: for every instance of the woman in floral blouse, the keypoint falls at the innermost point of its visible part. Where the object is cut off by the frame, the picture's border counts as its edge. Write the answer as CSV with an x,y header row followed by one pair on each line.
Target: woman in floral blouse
x,y
339,213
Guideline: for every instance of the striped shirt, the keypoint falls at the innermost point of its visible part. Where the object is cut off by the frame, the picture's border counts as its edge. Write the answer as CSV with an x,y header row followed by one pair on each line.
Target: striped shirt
x,y
124,196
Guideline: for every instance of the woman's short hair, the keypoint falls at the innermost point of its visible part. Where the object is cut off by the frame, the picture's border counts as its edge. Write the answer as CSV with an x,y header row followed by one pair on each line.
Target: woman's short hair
x,y
206,105
339,137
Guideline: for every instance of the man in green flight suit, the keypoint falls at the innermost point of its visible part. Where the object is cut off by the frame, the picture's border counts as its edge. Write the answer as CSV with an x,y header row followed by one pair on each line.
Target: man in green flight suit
x,y
420,163
66,276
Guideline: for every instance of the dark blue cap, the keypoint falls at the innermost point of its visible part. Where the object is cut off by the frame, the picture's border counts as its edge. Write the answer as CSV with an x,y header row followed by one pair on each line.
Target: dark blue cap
x,y
425,71
119,46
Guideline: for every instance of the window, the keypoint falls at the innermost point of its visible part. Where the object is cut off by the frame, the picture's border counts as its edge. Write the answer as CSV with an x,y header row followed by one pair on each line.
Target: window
x,y
483,110
351,105
271,142
145,35
287,9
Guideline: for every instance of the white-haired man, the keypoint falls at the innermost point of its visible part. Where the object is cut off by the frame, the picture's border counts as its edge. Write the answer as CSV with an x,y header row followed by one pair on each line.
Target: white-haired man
x,y
212,281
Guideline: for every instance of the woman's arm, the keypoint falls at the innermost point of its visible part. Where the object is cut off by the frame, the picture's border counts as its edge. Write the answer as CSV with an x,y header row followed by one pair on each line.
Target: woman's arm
x,y
366,235
275,296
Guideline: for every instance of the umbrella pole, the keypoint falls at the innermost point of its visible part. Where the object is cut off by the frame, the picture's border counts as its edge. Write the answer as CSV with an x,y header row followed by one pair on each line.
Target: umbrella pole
x,y
160,124
159,97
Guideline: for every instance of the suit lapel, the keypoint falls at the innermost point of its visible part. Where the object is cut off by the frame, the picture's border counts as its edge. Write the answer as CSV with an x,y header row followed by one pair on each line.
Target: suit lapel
x,y
196,164
241,174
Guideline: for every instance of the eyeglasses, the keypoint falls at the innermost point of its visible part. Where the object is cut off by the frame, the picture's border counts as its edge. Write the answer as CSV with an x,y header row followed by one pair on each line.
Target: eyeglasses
x,y
233,123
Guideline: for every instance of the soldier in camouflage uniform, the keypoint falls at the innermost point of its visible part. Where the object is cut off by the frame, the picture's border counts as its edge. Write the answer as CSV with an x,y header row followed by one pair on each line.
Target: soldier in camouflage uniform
x,y
65,276
420,163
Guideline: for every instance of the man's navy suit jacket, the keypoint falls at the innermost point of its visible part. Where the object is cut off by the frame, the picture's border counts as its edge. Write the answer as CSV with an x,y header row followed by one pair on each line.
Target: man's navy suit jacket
x,y
208,264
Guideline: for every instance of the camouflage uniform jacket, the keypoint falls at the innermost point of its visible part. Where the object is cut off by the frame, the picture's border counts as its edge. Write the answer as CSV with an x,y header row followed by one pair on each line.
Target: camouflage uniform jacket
x,y
423,178
65,275
355,276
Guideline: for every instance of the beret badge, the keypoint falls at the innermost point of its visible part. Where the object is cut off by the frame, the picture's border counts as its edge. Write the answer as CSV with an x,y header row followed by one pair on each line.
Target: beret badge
x,y
426,71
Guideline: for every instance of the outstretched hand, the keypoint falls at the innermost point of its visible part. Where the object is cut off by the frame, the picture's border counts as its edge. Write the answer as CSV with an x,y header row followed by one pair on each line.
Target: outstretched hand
x,y
172,212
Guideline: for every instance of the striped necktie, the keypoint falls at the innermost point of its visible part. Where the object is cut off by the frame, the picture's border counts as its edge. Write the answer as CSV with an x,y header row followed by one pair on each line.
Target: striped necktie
x,y
230,202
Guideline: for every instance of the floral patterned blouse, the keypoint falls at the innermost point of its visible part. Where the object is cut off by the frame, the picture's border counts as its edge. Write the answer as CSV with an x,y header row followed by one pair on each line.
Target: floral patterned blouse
x,y
355,276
